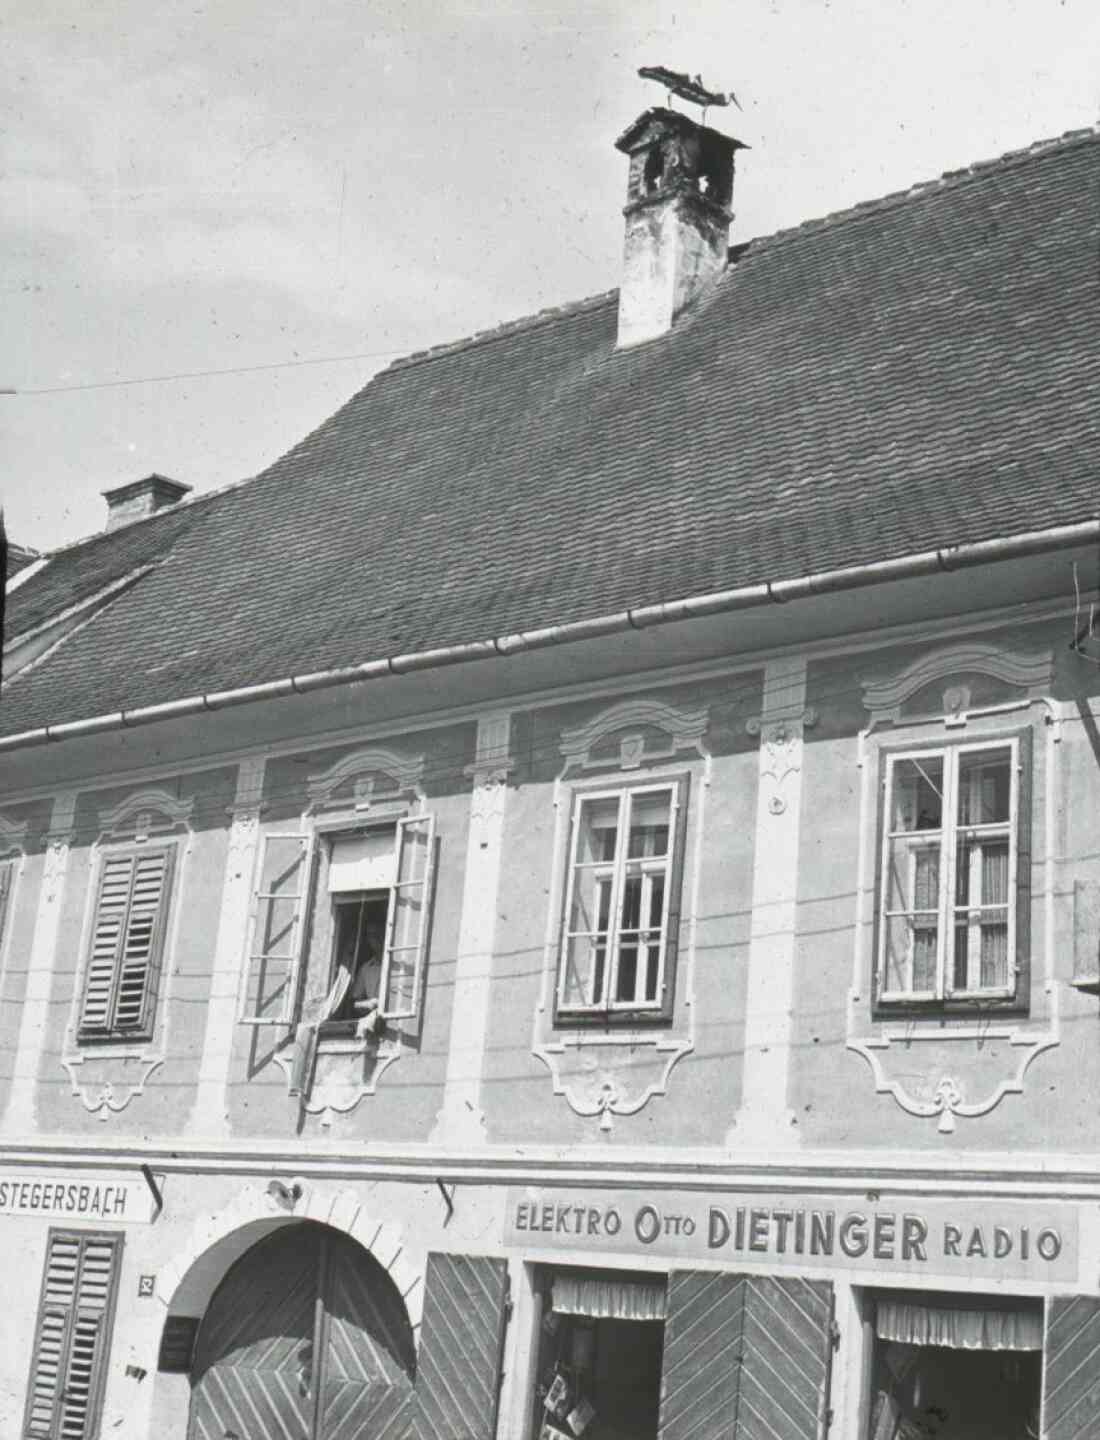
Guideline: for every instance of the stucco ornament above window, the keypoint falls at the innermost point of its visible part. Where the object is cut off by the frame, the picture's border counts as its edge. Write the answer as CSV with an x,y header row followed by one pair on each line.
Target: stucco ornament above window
x,y
953,992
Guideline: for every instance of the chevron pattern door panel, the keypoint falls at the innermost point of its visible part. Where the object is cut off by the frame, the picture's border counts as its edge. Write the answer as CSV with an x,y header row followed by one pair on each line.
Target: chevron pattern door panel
x,y
369,1354
787,1352
461,1339
702,1357
1071,1369
253,1366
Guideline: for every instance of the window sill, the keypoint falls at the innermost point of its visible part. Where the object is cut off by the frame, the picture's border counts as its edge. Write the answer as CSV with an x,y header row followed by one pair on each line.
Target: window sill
x,y
611,1019
113,1038
930,1011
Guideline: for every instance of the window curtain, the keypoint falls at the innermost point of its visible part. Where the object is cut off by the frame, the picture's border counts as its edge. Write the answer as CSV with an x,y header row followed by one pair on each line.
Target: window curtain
x,y
959,1327
604,1297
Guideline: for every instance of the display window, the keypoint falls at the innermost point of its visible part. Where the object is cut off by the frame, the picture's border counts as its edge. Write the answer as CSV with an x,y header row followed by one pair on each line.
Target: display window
x,y
601,1340
955,1367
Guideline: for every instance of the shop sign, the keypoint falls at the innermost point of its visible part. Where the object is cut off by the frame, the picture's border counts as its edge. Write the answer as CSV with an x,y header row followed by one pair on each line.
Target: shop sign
x,y
986,1240
80,1196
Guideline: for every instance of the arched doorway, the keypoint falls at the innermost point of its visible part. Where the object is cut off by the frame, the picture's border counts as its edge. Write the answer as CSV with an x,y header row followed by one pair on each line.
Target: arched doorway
x,y
306,1338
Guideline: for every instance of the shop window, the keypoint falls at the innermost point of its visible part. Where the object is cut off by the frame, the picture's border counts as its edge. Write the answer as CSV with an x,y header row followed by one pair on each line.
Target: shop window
x,y
965,1366
350,909
128,934
622,904
954,878
72,1336
600,1352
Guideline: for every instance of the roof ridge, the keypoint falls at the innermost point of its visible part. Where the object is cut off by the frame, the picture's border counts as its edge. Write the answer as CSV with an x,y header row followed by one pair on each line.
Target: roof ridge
x,y
948,179
502,331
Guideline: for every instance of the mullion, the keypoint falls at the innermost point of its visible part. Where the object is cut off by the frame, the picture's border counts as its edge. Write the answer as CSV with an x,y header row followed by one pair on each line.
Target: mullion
x,y
614,929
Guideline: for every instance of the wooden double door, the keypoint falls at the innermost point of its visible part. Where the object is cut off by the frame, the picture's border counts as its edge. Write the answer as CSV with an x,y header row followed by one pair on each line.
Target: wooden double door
x,y
306,1338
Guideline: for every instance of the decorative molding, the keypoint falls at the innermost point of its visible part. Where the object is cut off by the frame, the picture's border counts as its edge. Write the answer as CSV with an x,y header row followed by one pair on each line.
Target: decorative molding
x,y
104,1097
343,1073
358,769
136,816
1031,673
186,1282
945,1095
684,730
781,742
603,1089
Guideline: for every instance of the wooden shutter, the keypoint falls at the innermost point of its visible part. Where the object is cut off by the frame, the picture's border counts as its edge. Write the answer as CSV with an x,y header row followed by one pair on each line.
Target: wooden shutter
x,y
702,1357
1071,1369
408,921
1022,957
787,1359
71,1336
461,1343
746,1358
127,938
269,986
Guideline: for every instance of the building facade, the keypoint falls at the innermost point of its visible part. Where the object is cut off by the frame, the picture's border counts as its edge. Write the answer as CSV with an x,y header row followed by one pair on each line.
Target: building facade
x,y
568,906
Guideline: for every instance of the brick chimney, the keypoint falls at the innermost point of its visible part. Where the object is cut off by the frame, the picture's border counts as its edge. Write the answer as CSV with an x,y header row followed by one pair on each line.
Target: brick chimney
x,y
139,498
677,219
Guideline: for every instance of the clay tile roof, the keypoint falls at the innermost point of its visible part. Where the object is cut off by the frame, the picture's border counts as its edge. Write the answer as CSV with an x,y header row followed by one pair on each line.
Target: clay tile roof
x,y
919,371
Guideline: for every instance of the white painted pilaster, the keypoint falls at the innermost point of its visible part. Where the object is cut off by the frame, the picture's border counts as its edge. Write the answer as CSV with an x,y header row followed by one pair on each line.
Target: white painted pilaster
x,y
460,1121
764,1120
208,1118
19,1118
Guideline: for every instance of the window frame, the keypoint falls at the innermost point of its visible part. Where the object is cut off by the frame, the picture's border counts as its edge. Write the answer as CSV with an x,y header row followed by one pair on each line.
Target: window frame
x,y
97,1384
612,1013
316,842
111,1033
1013,998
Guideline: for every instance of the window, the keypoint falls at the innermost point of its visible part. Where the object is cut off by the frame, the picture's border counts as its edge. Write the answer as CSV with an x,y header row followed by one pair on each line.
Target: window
x,y
7,880
127,942
72,1336
955,874
621,913
354,906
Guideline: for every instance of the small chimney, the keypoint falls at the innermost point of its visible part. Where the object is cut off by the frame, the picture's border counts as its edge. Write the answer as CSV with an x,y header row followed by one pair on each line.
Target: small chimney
x,y
139,498
677,219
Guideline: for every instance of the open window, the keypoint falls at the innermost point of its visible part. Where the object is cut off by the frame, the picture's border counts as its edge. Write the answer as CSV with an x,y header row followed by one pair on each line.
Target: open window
x,y
617,960
127,943
340,927
955,877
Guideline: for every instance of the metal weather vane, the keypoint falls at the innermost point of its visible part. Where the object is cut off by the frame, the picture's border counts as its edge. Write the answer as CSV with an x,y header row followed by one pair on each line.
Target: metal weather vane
x,y
688,87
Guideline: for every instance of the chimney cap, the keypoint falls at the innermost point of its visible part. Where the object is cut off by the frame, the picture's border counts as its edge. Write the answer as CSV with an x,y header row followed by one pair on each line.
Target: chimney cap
x,y
166,490
658,120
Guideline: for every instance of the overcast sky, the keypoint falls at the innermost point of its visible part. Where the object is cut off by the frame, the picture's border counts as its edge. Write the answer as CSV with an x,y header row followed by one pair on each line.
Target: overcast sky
x,y
192,187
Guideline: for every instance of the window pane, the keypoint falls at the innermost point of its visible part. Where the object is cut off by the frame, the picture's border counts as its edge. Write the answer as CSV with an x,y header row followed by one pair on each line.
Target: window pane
x,y
591,910
626,987
985,785
585,967
917,802
649,825
913,878
911,949
598,824
994,967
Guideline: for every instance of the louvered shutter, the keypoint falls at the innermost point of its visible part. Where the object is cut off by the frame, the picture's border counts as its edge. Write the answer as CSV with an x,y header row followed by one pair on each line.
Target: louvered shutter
x,y
127,936
746,1358
461,1343
277,934
71,1338
408,921
1071,1369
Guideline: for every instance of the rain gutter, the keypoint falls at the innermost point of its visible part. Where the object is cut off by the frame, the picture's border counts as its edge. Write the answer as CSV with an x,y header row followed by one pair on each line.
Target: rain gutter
x,y
825,582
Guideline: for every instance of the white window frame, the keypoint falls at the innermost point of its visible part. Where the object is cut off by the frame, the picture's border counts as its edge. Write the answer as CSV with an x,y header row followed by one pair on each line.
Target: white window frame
x,y
307,898
670,866
948,910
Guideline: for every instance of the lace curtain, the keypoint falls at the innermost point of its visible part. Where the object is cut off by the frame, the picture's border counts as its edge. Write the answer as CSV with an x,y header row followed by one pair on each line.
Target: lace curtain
x,y
958,1326
604,1297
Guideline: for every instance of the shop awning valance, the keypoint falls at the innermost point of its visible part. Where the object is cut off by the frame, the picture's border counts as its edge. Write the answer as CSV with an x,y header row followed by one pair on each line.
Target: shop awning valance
x,y
953,1322
605,1297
